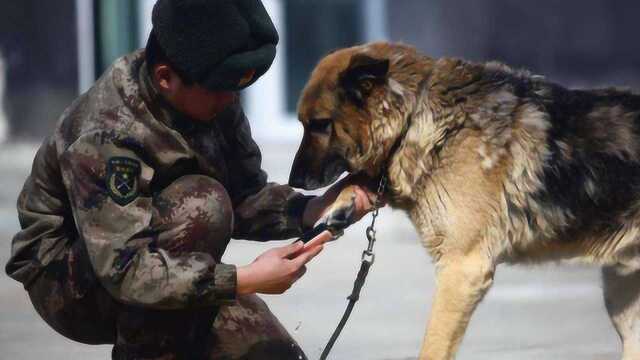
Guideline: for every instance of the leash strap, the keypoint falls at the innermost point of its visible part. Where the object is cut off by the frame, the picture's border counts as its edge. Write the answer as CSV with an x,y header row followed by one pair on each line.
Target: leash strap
x,y
368,258
355,295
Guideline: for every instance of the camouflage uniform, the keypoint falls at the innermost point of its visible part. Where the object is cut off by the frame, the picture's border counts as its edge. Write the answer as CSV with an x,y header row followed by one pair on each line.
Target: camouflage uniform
x,y
126,214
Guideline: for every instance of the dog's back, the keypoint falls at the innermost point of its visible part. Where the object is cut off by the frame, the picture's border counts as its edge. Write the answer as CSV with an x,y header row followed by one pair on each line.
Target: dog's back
x,y
593,169
589,172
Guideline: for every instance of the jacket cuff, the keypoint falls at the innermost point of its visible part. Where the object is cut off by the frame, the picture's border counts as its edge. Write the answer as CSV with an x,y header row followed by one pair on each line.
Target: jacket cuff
x,y
295,211
225,283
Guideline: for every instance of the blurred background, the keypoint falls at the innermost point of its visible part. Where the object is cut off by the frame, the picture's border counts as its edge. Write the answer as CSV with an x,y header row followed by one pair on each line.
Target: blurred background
x,y
51,51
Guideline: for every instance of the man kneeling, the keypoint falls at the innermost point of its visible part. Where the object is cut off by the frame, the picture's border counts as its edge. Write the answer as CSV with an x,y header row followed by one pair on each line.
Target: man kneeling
x,y
132,201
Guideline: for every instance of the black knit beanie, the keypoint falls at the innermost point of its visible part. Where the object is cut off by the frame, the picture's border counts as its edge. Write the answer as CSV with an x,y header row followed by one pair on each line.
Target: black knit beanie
x,y
220,44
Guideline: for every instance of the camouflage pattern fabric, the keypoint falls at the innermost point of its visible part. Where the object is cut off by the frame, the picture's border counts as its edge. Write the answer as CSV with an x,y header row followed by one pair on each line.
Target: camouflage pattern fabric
x,y
263,336
192,215
96,186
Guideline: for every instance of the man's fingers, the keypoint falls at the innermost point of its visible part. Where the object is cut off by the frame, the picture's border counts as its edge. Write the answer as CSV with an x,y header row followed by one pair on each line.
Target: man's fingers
x,y
301,271
306,256
287,251
365,197
319,240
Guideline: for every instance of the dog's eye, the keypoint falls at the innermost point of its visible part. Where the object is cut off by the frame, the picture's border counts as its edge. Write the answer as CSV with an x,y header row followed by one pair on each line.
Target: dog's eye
x,y
320,125
366,84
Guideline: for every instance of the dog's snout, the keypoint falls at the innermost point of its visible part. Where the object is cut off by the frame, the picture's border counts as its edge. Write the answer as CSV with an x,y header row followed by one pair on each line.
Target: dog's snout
x,y
296,179
299,168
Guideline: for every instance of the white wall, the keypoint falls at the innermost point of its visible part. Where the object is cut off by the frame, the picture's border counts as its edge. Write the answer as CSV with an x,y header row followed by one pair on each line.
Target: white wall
x,y
4,122
86,45
265,103
145,7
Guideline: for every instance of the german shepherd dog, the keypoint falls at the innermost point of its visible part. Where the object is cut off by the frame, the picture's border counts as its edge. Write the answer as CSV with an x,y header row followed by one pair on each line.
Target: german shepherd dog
x,y
491,164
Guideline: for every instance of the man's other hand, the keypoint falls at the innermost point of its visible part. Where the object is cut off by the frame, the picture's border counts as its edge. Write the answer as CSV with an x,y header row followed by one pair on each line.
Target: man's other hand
x,y
277,269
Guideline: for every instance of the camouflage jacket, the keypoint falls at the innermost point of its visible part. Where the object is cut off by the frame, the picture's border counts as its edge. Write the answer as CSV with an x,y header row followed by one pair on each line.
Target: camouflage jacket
x,y
66,198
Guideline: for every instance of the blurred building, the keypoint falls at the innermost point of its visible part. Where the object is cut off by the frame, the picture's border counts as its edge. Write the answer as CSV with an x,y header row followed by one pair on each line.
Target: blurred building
x,y
4,122
38,42
581,43
54,50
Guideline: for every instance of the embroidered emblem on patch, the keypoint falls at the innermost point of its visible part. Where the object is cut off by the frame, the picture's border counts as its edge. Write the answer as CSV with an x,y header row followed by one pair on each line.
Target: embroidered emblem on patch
x,y
122,179
247,77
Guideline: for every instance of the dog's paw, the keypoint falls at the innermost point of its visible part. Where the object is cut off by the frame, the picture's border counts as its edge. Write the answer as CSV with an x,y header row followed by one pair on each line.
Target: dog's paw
x,y
340,216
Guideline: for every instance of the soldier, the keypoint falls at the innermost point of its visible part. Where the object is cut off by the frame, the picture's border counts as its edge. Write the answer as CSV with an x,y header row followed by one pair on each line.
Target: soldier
x,y
133,199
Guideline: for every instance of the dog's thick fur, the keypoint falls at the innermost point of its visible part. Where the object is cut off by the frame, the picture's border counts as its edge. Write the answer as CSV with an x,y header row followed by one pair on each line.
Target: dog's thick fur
x,y
492,165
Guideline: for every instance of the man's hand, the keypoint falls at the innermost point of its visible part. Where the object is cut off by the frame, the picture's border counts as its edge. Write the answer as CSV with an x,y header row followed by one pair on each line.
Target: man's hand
x,y
351,195
277,269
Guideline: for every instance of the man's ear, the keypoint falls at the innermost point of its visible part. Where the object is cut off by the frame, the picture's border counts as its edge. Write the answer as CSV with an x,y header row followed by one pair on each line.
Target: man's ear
x,y
163,76
362,75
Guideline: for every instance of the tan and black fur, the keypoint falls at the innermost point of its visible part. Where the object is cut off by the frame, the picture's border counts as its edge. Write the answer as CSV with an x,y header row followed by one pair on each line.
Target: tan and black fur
x,y
492,165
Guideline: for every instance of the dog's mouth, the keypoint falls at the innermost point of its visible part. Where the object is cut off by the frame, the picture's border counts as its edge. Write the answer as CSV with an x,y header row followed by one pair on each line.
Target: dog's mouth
x,y
334,168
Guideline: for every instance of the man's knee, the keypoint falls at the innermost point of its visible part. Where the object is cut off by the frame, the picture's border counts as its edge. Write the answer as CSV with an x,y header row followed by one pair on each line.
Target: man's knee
x,y
194,213
248,330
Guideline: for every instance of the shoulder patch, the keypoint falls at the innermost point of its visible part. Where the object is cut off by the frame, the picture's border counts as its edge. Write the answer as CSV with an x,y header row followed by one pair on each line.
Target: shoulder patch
x,y
122,179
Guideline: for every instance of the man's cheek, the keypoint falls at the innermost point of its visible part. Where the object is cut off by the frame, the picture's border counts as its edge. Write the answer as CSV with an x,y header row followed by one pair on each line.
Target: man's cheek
x,y
228,98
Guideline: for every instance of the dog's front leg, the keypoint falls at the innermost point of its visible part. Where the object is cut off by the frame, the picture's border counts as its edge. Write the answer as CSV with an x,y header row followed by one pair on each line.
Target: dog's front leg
x,y
461,283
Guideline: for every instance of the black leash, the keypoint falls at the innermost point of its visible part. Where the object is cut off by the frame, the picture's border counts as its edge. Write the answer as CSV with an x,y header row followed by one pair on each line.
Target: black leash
x,y
368,258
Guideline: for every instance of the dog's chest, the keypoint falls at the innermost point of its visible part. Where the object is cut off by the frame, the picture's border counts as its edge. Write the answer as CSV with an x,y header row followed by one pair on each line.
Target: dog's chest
x,y
428,215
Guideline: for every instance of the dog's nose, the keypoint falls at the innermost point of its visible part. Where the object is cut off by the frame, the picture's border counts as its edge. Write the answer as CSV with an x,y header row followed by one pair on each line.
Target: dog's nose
x,y
296,180
297,177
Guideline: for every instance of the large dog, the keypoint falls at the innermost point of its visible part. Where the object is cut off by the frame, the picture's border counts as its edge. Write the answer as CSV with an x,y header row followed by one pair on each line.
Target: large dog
x,y
492,166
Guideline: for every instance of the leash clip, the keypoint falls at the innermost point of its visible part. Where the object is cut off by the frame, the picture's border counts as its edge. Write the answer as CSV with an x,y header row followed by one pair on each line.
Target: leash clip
x,y
368,257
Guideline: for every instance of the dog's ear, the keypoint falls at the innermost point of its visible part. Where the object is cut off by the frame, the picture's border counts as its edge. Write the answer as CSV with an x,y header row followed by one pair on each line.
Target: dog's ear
x,y
362,75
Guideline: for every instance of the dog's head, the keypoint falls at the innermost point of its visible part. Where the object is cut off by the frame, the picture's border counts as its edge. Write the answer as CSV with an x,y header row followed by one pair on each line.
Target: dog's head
x,y
353,109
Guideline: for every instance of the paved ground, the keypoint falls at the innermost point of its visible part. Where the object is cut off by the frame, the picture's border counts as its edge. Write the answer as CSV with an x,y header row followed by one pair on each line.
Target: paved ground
x,y
543,313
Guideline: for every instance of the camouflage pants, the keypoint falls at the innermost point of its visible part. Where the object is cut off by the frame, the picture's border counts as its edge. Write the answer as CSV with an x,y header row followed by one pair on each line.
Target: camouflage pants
x,y
71,300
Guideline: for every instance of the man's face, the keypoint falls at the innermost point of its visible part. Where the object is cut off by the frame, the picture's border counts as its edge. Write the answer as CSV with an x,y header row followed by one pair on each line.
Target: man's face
x,y
200,103
192,100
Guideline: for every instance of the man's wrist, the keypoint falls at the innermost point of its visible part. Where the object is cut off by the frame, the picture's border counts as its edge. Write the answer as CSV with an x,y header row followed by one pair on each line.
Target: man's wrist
x,y
244,285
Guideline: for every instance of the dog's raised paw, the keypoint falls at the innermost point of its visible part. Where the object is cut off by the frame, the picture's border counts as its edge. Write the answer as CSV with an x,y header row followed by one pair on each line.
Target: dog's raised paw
x,y
340,218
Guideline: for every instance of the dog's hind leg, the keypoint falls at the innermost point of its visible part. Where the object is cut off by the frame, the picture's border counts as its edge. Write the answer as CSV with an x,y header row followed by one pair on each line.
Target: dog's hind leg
x,y
622,299
461,283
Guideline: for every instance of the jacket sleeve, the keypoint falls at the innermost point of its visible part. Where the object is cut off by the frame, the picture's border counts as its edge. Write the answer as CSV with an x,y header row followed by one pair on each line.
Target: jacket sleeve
x,y
263,211
115,225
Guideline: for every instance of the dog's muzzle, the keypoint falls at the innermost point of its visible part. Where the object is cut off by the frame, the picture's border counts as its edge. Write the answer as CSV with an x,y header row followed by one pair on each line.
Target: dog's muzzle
x,y
306,178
